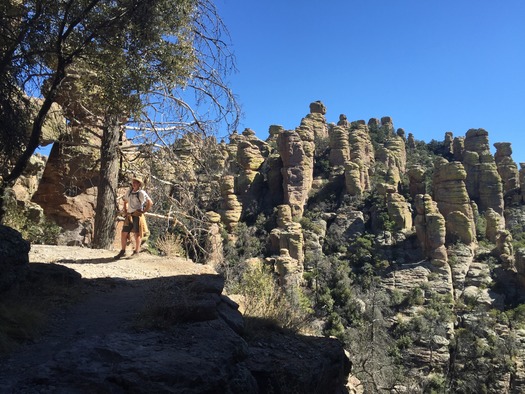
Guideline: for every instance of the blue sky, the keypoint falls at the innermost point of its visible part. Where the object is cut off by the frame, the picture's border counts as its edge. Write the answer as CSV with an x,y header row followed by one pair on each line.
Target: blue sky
x,y
433,66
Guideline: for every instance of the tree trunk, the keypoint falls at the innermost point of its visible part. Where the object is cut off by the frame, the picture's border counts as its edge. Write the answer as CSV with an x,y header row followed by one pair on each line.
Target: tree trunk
x,y
106,210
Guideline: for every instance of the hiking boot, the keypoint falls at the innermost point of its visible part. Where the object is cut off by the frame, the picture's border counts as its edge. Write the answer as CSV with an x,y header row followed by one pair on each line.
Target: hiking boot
x,y
120,254
135,254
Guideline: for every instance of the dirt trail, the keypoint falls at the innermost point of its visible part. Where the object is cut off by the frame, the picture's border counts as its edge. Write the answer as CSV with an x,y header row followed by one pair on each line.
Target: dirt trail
x,y
113,293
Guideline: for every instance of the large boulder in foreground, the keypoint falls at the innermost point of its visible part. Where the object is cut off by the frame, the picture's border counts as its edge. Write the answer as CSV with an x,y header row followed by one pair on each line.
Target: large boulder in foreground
x,y
14,257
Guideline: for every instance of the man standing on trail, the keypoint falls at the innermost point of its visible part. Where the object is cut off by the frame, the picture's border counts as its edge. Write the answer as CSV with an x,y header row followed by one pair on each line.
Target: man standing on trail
x,y
136,203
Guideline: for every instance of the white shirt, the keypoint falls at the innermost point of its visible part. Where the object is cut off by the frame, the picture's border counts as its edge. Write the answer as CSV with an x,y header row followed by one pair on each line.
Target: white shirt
x,y
136,200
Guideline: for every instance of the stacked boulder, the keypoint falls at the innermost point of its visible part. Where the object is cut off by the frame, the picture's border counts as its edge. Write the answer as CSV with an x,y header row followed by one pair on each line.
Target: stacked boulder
x,y
450,194
399,211
507,168
430,229
339,146
231,209
287,243
483,180
358,169
392,154
251,153
297,150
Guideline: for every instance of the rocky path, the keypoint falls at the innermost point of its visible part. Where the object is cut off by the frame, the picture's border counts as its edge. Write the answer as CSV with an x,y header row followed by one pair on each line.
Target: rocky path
x,y
97,345
102,325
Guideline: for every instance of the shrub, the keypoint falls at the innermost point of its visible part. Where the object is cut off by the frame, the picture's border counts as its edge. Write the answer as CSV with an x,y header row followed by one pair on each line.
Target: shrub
x,y
170,245
267,305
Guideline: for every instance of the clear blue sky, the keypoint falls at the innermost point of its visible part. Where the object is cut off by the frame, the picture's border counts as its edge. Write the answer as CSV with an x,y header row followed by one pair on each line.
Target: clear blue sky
x,y
433,66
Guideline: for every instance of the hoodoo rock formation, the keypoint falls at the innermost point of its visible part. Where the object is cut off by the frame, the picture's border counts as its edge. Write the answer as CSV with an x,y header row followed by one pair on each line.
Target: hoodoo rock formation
x,y
483,180
453,200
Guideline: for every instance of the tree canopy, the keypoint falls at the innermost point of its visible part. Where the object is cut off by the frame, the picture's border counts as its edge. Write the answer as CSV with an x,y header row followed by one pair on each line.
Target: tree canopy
x,y
136,59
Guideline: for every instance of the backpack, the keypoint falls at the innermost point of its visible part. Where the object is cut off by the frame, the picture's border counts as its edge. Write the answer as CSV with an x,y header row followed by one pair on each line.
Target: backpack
x,y
140,195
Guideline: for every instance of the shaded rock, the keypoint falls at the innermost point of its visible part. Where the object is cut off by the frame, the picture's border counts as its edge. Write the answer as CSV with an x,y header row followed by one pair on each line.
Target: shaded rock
x,y
297,364
520,265
458,145
411,141
317,107
14,257
343,121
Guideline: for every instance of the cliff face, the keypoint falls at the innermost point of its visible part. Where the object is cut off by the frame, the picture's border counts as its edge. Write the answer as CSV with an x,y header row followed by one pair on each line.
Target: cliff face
x,y
423,238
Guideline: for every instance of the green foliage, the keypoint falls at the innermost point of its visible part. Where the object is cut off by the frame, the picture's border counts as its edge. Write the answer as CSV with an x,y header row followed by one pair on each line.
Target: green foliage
x,y
268,306
248,243
516,316
518,237
42,232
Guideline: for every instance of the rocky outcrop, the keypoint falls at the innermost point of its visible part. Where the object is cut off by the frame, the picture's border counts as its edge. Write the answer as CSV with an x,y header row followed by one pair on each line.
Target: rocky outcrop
x,y
504,249
393,157
399,211
191,341
287,235
411,141
14,260
508,171
213,243
360,167
483,180
297,148
231,207
67,192
416,178
339,146
520,265
450,194
430,229
458,145
494,223
316,120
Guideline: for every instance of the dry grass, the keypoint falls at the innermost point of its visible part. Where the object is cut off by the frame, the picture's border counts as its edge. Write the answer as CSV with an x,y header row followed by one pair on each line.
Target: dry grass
x,y
170,245
266,305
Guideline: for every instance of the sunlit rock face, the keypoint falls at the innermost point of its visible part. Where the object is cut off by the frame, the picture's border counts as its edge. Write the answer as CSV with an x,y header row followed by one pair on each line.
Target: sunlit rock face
x,y
430,229
483,180
453,201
